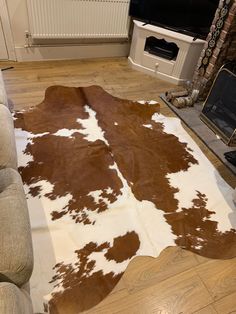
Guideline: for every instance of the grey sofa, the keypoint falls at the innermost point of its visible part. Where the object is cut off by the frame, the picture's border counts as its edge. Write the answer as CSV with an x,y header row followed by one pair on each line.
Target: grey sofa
x,y
16,254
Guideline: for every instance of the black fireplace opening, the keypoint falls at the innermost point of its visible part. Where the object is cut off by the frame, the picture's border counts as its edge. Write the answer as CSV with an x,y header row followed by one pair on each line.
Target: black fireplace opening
x,y
161,48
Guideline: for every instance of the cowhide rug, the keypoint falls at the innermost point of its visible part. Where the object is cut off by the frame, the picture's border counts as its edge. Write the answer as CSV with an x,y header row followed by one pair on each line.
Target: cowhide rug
x,y
107,180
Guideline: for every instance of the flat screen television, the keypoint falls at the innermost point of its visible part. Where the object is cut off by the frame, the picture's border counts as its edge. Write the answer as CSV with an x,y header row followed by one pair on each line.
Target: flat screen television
x,y
191,17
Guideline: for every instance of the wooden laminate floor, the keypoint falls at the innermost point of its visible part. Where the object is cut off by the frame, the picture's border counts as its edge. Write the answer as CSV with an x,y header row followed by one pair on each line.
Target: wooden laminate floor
x,y
177,281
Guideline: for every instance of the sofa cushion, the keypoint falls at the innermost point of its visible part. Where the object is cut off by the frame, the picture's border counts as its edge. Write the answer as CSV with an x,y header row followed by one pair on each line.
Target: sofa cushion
x,y
14,300
16,258
8,156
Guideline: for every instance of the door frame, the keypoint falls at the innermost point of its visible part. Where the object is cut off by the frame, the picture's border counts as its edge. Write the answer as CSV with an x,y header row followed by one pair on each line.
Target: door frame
x,y
6,25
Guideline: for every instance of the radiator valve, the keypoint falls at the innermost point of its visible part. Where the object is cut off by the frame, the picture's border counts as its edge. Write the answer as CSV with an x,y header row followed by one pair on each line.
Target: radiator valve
x,y
27,39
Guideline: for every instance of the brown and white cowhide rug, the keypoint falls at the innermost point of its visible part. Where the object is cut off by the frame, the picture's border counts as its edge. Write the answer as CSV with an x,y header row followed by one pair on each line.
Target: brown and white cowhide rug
x,y
107,180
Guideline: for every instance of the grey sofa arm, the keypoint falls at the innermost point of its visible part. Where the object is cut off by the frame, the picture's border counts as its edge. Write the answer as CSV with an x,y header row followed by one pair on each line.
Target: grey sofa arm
x,y
3,95
14,300
8,157
16,253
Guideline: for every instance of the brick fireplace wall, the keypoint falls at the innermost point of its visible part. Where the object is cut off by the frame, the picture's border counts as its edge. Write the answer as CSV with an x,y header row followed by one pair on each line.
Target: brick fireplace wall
x,y
220,47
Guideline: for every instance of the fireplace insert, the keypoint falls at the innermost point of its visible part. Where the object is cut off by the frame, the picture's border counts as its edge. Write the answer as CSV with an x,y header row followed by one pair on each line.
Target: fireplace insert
x,y
219,111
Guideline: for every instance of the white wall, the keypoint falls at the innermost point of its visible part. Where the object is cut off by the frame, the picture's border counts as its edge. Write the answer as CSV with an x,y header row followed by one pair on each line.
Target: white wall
x,y
17,10
3,48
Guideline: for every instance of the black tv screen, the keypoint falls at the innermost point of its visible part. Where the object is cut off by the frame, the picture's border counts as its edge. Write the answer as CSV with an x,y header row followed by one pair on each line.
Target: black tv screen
x,y
192,17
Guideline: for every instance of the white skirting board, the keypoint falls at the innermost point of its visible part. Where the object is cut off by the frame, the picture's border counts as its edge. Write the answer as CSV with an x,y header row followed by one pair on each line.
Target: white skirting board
x,y
40,53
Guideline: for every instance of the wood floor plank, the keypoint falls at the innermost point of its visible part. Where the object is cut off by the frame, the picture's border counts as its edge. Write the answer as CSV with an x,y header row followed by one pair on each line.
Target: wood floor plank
x,y
183,293
201,259
119,287
107,303
219,277
206,310
226,305
144,272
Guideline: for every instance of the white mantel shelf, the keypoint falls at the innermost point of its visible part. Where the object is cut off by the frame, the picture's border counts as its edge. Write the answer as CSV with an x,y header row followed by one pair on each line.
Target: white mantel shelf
x,y
175,71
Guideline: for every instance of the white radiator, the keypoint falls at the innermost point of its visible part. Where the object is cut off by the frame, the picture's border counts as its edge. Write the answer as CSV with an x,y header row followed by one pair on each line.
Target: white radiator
x,y
78,18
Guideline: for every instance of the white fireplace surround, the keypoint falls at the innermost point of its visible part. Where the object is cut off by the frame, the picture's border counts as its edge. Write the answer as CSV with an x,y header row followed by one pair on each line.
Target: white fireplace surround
x,y
175,71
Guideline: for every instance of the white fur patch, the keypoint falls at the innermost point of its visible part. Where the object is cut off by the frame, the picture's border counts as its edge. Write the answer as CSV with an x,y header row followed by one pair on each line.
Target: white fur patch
x,y
92,131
